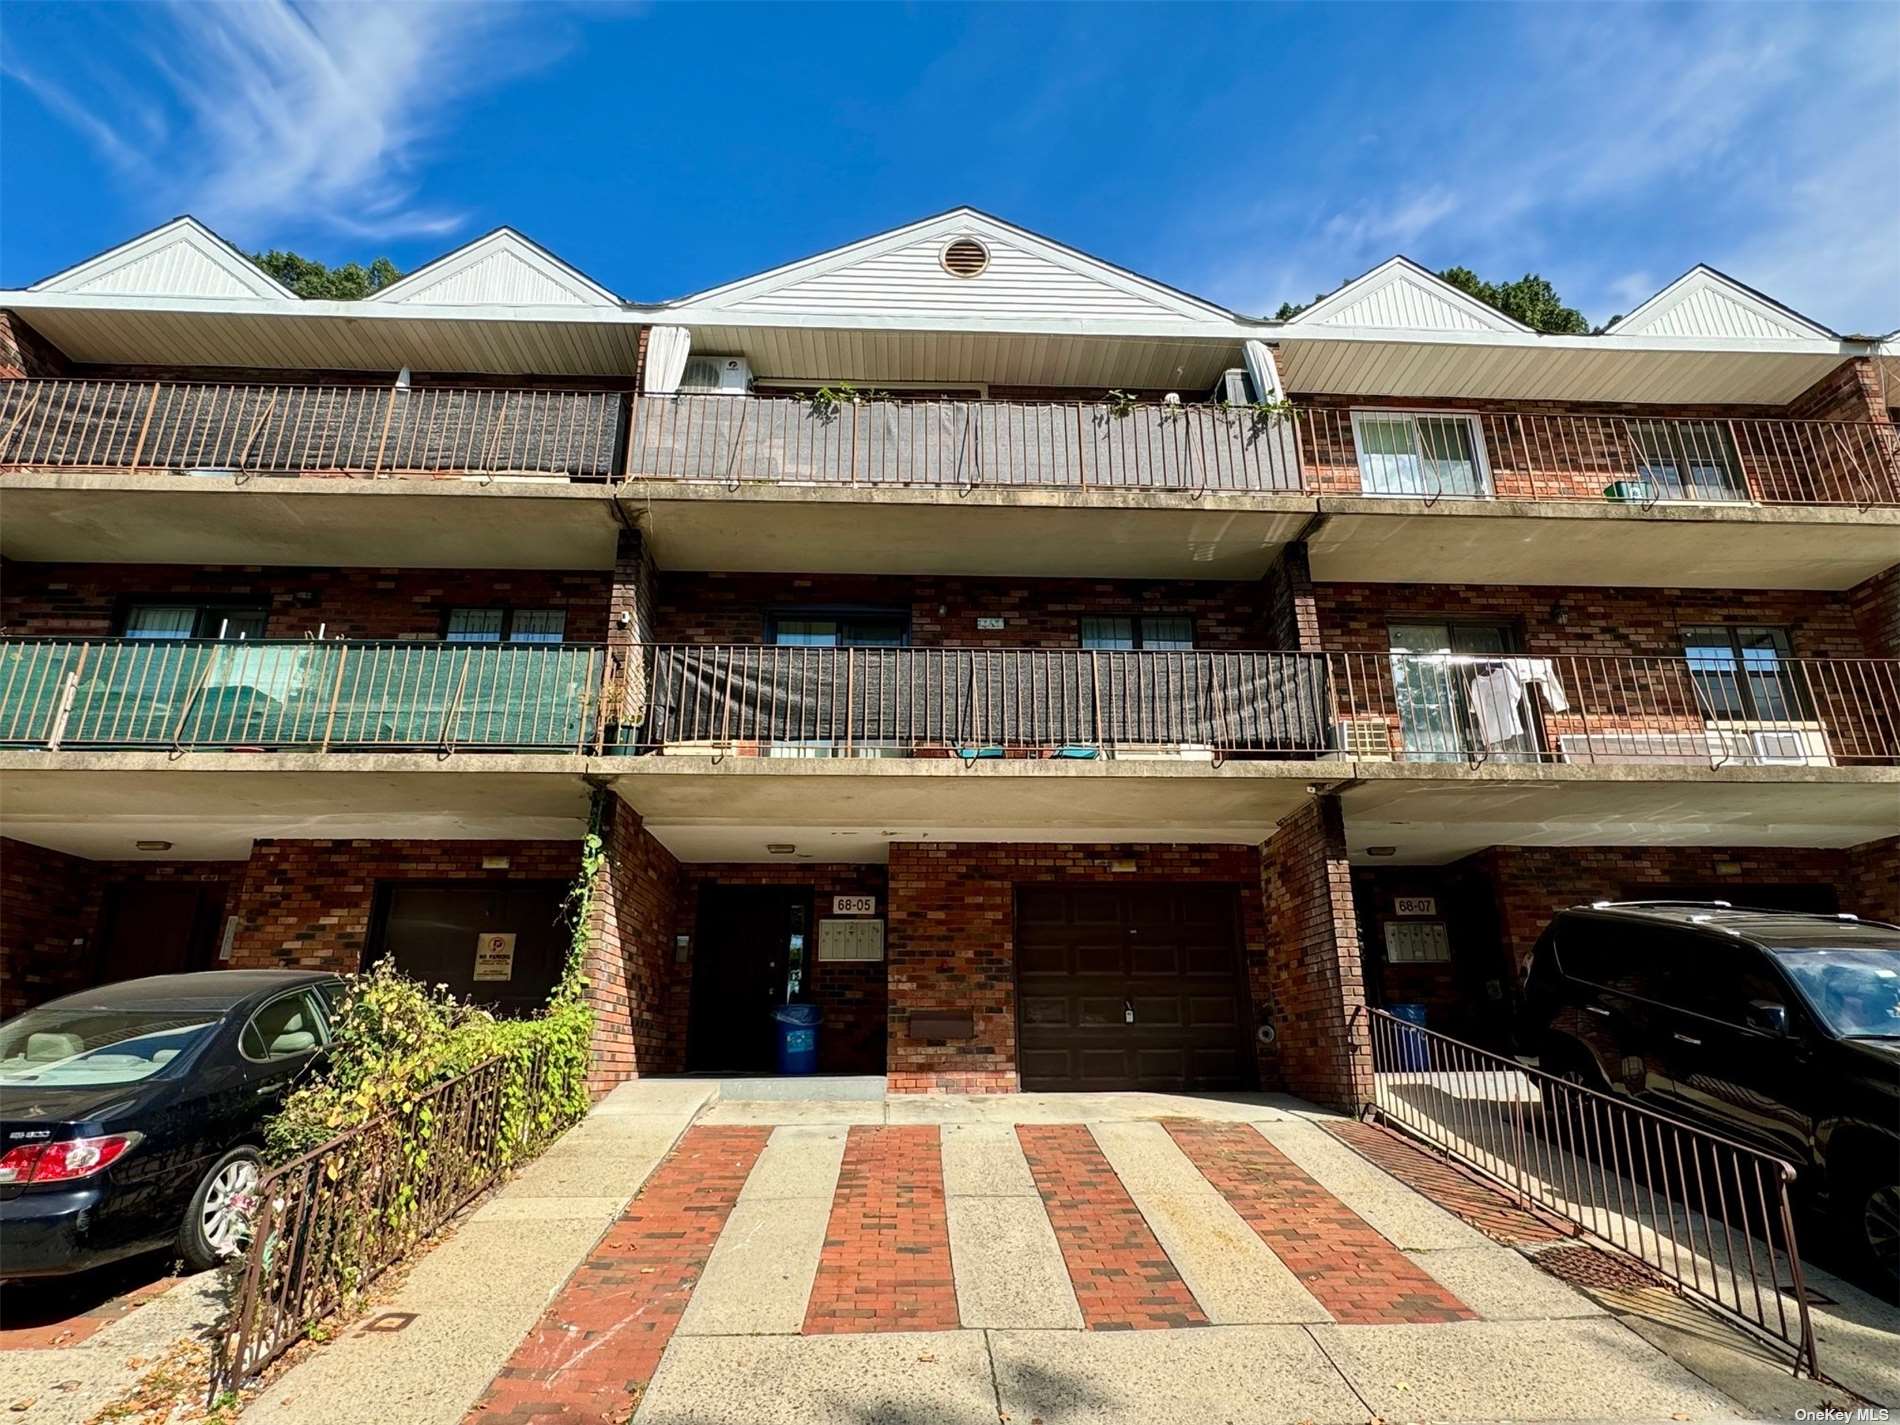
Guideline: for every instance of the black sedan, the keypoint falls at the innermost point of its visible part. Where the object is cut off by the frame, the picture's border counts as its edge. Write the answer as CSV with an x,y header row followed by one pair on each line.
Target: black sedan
x,y
131,1115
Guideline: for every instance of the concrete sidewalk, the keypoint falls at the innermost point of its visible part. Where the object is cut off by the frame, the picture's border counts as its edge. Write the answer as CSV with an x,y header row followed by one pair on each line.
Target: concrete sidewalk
x,y
1062,1258
472,1299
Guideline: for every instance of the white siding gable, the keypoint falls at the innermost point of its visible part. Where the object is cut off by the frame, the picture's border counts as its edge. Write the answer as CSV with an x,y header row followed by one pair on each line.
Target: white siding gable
x,y
181,259
1401,296
1704,304
502,269
901,274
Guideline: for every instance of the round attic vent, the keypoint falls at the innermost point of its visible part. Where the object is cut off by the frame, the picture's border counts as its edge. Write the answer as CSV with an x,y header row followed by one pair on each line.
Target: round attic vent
x,y
965,257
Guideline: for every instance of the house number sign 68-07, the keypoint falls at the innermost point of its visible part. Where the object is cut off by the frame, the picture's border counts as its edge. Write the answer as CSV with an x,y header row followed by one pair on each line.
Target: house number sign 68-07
x,y
854,905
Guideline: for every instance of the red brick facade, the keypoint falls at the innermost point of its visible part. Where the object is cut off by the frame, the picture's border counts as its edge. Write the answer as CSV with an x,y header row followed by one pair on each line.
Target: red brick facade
x,y
88,600
24,352
1312,976
950,940
942,611
639,1022
49,911
1356,618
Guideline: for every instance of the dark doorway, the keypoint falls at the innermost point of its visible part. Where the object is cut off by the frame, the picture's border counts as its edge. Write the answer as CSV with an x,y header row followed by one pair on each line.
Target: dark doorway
x,y
1130,987
158,928
751,939
1813,897
436,930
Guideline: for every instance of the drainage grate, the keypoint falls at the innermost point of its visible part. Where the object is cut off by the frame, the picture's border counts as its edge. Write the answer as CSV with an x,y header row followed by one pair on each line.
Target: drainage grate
x,y
1593,1269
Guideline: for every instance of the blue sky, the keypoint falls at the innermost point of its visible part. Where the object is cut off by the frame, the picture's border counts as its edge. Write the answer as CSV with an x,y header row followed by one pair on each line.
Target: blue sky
x,y
1248,154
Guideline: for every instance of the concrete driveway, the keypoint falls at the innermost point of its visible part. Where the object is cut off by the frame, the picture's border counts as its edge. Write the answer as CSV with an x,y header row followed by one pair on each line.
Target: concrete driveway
x,y
1060,1258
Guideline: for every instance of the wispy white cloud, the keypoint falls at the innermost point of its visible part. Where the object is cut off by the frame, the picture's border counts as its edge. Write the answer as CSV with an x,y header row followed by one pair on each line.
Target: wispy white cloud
x,y
264,114
1606,146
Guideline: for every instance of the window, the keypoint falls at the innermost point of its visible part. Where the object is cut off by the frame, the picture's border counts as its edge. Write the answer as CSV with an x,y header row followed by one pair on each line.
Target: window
x,y
289,1025
838,630
1740,672
506,625
173,621
1718,980
1424,453
1138,631
1687,460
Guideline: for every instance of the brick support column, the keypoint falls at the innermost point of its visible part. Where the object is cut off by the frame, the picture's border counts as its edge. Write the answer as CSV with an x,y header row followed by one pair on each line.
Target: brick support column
x,y
629,631
1292,607
1314,972
24,352
630,964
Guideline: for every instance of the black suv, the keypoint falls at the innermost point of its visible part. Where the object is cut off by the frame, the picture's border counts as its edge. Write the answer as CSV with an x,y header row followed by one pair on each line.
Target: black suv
x,y
1778,1029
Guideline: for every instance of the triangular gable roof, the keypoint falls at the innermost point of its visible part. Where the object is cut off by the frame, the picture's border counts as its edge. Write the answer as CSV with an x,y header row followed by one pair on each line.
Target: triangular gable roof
x,y
1404,296
182,258
1709,304
901,273
502,268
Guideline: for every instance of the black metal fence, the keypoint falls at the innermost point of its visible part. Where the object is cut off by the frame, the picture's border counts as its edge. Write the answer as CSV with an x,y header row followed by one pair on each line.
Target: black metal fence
x,y
1711,1215
328,1223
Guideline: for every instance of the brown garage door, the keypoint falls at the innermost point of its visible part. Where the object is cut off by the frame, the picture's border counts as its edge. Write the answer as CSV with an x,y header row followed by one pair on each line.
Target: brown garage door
x,y
1087,956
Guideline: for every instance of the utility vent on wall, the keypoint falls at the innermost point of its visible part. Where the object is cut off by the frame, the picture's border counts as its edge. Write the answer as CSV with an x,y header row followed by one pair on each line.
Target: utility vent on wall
x,y
965,257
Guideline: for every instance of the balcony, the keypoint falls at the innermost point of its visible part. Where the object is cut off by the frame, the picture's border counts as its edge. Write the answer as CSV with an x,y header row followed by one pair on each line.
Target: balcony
x,y
981,704
191,428
302,696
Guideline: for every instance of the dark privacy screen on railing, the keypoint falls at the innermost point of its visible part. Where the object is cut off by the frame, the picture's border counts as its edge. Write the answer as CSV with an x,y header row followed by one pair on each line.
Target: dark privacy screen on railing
x,y
961,698
204,428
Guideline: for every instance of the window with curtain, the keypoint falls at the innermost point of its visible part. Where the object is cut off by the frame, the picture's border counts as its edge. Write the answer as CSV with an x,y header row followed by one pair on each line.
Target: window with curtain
x,y
470,625
847,630
1407,453
1741,672
1152,631
162,621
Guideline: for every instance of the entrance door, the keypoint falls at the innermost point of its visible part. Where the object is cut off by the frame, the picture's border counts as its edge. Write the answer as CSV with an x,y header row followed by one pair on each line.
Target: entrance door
x,y
1449,711
751,946
1130,987
435,928
158,928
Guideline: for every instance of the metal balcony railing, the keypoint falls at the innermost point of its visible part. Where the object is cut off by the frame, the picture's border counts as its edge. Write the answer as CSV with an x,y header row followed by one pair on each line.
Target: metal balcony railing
x,y
1712,709
944,443
206,428
789,701
1627,459
299,696
960,444
825,702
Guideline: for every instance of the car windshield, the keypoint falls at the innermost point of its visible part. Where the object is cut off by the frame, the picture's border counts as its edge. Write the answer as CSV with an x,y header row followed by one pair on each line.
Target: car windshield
x,y
1855,992
80,1047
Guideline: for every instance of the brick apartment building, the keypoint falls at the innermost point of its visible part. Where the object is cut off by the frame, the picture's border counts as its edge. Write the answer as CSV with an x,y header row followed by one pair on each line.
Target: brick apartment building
x,y
936,629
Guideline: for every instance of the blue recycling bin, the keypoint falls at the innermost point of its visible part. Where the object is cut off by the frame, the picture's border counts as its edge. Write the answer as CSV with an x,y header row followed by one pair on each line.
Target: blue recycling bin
x,y
1413,1053
797,1026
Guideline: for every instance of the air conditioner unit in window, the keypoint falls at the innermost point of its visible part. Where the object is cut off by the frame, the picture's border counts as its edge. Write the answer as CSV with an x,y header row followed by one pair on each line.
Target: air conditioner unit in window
x,y
1233,388
720,375
1365,739
1769,744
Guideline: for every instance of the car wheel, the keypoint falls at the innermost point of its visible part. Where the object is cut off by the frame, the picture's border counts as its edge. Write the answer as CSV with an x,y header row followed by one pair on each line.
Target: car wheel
x,y
213,1229
1876,1219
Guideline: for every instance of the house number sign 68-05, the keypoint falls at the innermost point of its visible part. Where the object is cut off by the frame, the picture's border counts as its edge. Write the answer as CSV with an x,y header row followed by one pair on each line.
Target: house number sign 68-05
x,y
854,905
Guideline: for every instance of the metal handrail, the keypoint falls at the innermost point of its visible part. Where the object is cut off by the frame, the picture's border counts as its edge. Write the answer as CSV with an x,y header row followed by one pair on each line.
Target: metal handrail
x,y
1640,1182
197,427
299,694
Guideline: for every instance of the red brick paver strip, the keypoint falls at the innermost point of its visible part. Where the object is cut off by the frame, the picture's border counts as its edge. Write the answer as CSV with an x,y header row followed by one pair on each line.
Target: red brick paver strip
x,y
886,1259
596,1349
1123,1279
1459,1194
1351,1270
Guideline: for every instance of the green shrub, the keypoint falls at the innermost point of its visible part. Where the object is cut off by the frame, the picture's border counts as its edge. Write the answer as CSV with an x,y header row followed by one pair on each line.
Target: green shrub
x,y
394,1039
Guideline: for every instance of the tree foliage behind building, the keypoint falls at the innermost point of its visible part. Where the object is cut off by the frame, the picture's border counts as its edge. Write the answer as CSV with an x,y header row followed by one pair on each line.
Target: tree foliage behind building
x,y
1531,300
349,283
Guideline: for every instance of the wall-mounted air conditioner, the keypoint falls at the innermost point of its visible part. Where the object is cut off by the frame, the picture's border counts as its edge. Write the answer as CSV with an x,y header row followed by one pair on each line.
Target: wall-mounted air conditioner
x,y
719,375
1233,388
